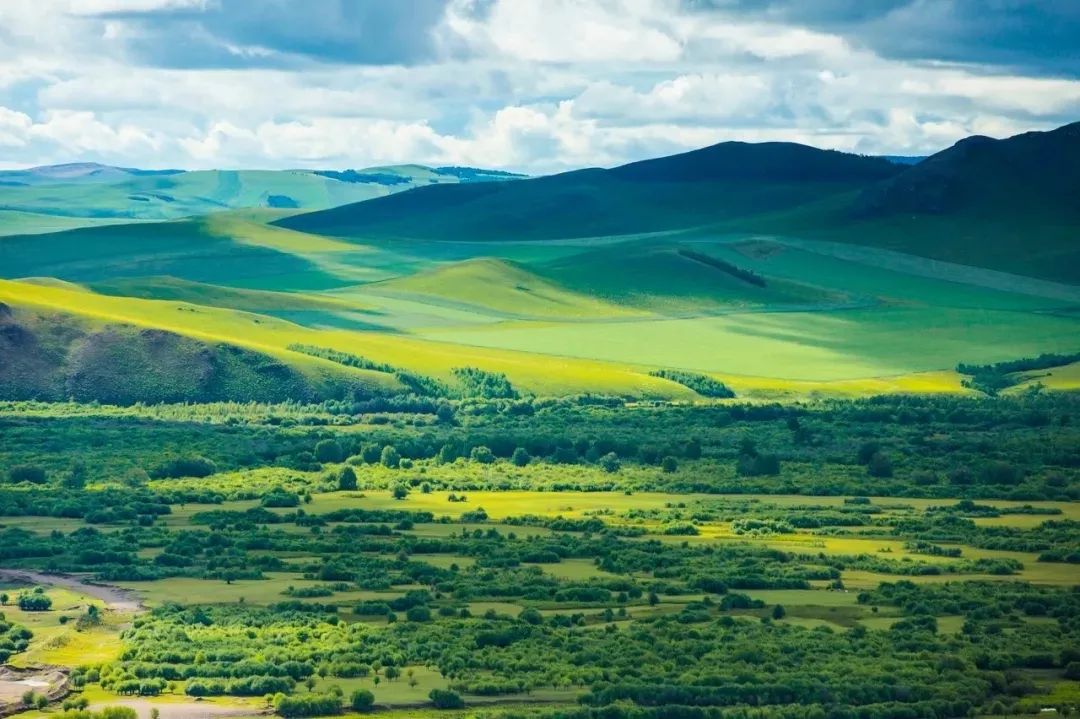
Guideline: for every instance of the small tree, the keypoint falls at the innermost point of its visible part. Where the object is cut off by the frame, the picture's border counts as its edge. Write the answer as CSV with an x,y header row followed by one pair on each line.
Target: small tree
x,y
346,479
329,450
362,700
880,465
27,473
778,612
401,491
609,462
481,455
445,699
390,457
521,457
669,464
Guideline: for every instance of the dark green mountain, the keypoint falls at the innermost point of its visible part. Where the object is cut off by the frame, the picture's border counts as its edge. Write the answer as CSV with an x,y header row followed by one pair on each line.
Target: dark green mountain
x,y
732,179
1009,204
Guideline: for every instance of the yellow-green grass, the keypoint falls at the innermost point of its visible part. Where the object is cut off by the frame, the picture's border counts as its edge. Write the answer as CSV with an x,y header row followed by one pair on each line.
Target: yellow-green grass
x,y
61,643
805,597
575,569
1066,378
400,693
508,608
201,293
501,504
540,373
948,624
537,373
250,591
816,346
500,287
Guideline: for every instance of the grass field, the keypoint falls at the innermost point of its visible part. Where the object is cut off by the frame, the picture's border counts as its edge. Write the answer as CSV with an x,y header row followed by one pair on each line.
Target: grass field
x,y
587,314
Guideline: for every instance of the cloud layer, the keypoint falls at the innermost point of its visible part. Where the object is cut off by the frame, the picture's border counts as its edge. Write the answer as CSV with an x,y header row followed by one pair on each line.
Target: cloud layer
x,y
531,85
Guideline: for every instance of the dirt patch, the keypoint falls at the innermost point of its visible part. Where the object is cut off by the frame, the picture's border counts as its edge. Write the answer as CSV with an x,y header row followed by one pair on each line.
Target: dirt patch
x,y
182,710
50,681
116,599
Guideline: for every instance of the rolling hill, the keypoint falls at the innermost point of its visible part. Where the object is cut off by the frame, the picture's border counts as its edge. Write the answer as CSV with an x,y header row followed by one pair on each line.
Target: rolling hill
x,y
39,198
732,179
497,286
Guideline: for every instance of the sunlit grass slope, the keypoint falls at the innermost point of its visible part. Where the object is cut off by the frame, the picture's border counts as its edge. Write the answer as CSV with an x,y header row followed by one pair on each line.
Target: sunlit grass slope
x,y
818,346
536,373
499,286
667,277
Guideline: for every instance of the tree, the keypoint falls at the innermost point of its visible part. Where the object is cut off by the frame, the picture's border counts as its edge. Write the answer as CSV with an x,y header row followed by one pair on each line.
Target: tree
x,y
867,450
531,615
346,478
669,464
778,612
445,413
401,491
27,473
4,599
390,457
35,601
362,700
482,455
520,457
693,449
329,450
879,465
609,462
445,699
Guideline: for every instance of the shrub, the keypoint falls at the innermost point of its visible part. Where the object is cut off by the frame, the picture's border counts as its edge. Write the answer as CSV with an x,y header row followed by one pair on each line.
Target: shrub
x,y
482,455
445,699
520,457
362,700
193,466
346,479
329,450
389,457
609,462
27,473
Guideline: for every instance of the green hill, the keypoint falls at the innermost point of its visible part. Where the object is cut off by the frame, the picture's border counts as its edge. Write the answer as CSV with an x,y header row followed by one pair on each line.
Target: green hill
x,y
46,198
1007,204
728,180
498,286
57,356
670,278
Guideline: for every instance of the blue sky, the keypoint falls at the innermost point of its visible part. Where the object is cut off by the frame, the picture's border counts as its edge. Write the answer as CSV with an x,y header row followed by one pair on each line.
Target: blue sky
x,y
529,85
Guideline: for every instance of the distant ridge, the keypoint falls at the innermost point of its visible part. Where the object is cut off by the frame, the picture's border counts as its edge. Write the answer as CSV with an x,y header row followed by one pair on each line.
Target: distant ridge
x,y
727,180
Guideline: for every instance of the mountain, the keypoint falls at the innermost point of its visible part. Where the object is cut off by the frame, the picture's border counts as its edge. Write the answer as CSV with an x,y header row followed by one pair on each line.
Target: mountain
x,y
720,182
981,175
1008,205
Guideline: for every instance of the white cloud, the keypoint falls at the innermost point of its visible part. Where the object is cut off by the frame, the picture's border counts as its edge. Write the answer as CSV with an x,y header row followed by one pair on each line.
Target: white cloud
x,y
535,85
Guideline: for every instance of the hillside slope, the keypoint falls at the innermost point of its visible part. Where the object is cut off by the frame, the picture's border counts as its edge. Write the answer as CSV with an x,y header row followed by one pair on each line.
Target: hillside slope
x,y
86,193
500,286
1009,205
728,180
48,355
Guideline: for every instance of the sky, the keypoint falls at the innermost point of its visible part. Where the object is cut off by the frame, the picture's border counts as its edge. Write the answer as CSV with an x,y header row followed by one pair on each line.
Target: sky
x,y
534,86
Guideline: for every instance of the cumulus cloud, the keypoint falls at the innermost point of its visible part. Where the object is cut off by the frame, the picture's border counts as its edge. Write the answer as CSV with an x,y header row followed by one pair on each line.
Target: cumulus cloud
x,y
532,85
